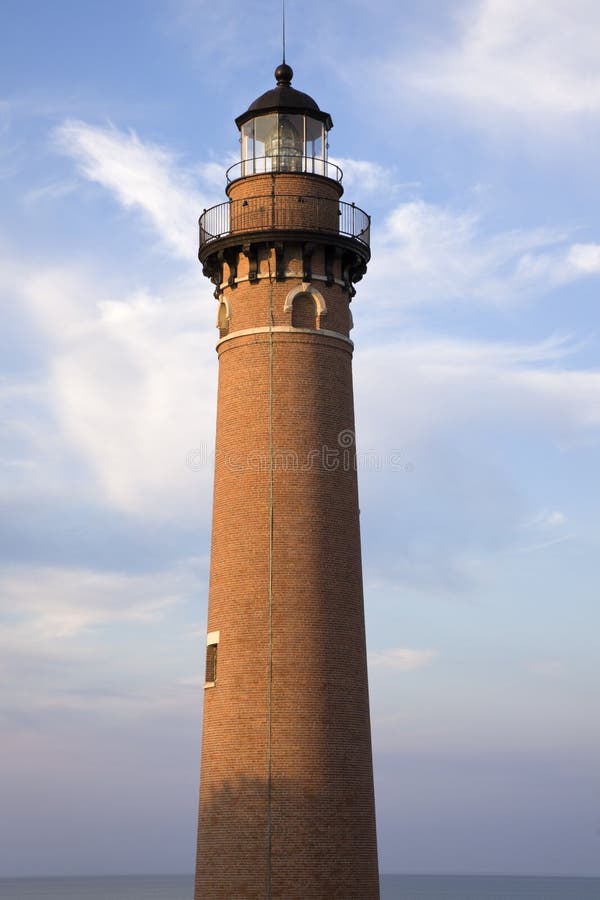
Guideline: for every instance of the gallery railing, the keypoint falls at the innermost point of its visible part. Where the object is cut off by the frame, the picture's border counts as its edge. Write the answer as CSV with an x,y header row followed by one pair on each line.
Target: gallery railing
x,y
264,165
285,212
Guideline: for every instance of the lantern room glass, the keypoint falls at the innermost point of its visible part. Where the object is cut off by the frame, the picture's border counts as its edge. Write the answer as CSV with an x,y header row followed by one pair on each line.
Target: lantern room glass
x,y
283,142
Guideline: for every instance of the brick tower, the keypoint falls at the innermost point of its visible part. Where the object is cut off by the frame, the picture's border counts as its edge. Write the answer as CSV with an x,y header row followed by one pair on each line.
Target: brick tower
x,y
286,796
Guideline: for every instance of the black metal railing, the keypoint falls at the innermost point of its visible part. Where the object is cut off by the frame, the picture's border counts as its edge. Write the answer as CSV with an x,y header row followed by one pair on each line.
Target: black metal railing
x,y
285,212
264,165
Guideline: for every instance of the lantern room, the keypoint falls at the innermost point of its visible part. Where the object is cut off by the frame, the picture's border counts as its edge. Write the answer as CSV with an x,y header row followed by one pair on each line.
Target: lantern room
x,y
284,131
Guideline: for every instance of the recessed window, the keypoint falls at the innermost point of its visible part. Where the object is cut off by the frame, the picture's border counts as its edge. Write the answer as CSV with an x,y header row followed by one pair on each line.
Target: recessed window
x,y
223,319
211,664
212,645
304,311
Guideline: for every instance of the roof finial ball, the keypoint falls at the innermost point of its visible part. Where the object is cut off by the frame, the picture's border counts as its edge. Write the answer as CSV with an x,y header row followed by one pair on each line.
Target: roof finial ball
x,y
284,74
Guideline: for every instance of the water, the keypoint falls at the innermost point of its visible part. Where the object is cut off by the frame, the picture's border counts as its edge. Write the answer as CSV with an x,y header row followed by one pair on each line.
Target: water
x,y
487,887
393,887
136,887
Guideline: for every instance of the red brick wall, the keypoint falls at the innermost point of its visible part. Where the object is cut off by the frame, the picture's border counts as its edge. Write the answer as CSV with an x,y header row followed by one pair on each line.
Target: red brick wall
x,y
285,183
300,201
252,308
286,809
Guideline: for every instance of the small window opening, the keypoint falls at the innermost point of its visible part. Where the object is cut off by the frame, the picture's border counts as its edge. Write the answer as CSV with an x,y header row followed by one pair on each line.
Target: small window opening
x,y
211,665
223,320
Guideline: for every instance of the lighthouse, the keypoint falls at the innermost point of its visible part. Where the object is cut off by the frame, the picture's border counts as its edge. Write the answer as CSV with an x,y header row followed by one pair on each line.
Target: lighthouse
x,y
286,795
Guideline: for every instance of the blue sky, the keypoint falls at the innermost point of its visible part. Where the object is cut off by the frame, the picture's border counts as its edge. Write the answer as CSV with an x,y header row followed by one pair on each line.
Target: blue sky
x,y
470,131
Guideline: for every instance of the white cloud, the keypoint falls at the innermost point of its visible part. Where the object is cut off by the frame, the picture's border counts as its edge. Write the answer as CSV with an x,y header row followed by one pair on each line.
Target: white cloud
x,y
124,386
79,639
45,605
546,519
364,175
585,258
127,385
555,518
402,659
517,57
449,382
130,391
142,176
51,192
434,254
133,397
212,174
461,411
544,545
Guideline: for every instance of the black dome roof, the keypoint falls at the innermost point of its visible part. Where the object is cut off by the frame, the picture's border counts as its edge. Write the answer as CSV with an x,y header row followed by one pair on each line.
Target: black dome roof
x,y
284,99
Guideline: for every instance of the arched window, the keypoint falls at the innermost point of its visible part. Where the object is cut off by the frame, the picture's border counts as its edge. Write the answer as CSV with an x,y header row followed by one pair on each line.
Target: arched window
x,y
306,305
304,311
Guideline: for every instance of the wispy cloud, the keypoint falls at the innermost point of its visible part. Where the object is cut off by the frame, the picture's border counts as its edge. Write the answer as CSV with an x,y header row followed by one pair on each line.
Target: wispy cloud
x,y
402,659
437,255
365,175
45,605
447,382
117,376
516,57
55,190
546,519
457,409
434,253
124,397
123,375
543,545
142,176
68,637
584,258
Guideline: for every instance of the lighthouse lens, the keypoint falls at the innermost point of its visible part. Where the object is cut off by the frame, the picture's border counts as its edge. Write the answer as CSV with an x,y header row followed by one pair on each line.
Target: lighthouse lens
x,y
285,144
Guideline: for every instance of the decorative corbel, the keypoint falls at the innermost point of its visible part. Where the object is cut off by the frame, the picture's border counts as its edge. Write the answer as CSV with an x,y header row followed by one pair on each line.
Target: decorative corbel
x,y
307,252
251,253
279,261
231,257
330,256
